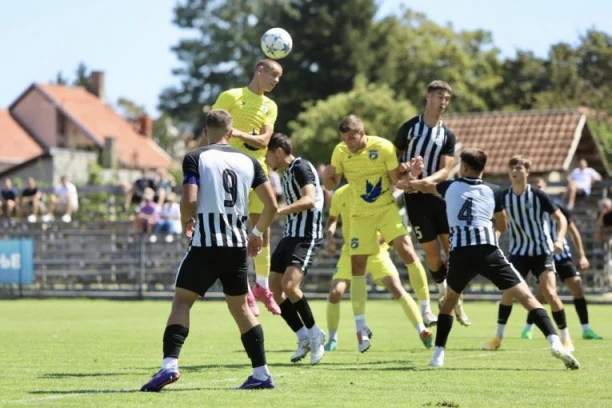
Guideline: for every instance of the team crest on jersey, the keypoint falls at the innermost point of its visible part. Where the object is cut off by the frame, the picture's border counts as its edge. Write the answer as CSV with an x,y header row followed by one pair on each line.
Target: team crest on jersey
x,y
354,243
265,109
373,154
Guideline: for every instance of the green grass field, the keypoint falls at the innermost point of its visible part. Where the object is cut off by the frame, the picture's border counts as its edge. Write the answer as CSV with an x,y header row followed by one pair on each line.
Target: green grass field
x,y
77,353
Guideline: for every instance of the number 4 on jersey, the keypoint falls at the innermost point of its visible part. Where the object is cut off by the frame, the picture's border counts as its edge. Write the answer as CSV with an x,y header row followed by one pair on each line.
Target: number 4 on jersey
x,y
465,213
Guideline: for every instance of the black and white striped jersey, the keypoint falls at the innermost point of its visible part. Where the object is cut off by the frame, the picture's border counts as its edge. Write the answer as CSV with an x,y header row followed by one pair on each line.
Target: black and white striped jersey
x,y
414,138
224,176
528,221
567,253
470,206
306,224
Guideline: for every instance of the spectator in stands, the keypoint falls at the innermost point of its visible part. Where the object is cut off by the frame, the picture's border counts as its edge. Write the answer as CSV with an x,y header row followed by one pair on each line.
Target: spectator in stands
x,y
136,190
163,186
275,181
146,215
64,199
30,202
8,199
579,182
326,193
169,221
603,225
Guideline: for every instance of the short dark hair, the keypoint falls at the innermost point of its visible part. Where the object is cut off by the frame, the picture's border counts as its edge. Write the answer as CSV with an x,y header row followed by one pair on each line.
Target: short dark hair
x,y
520,160
475,159
219,119
439,85
268,63
280,140
350,122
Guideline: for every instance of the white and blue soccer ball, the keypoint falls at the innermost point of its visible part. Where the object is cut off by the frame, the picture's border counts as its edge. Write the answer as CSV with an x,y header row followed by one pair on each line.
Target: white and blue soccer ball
x,y
276,43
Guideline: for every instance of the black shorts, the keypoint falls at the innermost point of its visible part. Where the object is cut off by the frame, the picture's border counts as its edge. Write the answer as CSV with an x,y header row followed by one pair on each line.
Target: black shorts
x,y
464,263
536,264
202,266
298,252
566,269
427,215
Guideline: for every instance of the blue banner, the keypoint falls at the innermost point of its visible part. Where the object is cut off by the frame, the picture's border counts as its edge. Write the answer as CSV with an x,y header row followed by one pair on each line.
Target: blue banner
x,y
17,261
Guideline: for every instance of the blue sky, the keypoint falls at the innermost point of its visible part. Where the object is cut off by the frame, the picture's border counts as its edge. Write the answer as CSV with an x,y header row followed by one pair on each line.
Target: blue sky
x,y
130,39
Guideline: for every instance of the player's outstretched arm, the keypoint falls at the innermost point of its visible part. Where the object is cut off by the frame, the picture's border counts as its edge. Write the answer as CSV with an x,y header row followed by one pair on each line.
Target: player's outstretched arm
x,y
583,262
330,231
422,186
500,222
561,229
189,208
304,203
259,141
331,178
270,207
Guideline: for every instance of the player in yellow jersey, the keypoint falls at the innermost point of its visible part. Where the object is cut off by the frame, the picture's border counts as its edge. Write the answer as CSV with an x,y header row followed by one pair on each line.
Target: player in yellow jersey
x,y
254,115
379,265
371,168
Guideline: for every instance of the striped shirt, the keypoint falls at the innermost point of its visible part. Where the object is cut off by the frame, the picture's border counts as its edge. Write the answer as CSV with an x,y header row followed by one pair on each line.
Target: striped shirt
x,y
224,176
470,206
415,138
305,224
566,253
528,221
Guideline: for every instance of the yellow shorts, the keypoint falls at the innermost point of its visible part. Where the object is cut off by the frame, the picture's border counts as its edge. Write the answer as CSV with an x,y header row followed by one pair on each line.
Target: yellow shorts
x,y
363,230
255,204
379,266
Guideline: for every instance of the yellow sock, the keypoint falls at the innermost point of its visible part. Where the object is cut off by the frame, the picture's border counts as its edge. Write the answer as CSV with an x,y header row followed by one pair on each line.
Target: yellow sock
x,y
418,280
262,263
333,317
359,295
411,310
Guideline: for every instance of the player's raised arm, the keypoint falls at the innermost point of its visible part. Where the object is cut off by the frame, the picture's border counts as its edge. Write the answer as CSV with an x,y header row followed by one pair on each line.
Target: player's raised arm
x,y
191,178
333,173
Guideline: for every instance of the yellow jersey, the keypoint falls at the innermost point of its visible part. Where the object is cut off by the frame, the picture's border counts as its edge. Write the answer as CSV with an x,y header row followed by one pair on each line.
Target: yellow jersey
x,y
341,207
250,113
366,173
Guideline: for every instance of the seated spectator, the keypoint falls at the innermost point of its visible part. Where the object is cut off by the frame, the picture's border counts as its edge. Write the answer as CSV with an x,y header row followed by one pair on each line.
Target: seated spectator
x,y
30,202
135,191
146,215
169,221
163,186
579,182
64,199
8,199
275,181
603,225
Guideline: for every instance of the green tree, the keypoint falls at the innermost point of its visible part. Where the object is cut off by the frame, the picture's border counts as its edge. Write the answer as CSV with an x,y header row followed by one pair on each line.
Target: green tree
x,y
81,75
315,131
129,109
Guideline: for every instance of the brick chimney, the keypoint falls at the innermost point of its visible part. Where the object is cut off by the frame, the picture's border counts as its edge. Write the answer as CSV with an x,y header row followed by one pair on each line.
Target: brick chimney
x,y
145,126
96,84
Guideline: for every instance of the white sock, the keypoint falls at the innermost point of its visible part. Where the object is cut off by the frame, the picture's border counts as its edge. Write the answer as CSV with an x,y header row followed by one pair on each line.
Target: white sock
x,y
302,333
425,306
553,338
500,330
333,335
420,327
313,330
586,327
262,281
565,334
170,362
528,326
442,288
261,373
360,323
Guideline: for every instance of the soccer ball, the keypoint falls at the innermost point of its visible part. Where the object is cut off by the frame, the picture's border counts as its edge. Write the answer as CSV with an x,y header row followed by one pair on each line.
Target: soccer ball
x,y
276,43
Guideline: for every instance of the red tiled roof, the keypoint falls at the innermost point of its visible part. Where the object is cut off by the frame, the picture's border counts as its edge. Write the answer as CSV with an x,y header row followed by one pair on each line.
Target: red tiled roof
x,y
15,143
549,138
100,120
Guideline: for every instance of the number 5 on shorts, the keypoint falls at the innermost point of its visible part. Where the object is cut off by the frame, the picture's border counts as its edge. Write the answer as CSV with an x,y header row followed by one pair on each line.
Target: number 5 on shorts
x,y
417,232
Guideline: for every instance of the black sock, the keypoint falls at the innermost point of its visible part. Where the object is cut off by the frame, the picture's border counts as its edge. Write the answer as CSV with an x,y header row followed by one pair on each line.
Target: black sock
x,y
503,313
439,275
303,308
443,328
174,338
290,314
560,319
253,342
581,309
541,319
529,319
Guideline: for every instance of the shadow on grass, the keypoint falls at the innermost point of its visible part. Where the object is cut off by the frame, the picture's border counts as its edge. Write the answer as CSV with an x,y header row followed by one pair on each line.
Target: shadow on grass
x,y
122,391
81,375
